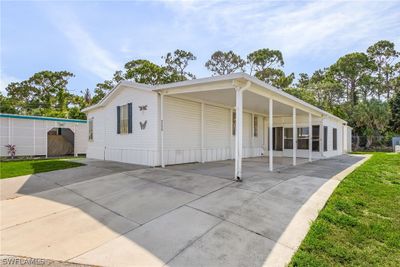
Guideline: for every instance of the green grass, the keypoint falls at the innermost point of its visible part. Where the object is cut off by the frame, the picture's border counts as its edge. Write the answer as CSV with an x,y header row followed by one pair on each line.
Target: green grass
x,y
360,224
10,169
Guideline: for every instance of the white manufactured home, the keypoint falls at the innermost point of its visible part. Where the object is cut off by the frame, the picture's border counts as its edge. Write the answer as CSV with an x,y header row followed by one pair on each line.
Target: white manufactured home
x,y
42,136
217,118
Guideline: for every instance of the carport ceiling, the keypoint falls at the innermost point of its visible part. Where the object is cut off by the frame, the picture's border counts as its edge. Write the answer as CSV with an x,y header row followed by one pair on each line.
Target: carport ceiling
x,y
251,101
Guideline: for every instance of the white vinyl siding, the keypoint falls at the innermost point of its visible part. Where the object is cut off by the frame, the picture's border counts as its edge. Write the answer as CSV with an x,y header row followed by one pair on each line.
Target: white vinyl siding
x,y
182,131
217,133
247,135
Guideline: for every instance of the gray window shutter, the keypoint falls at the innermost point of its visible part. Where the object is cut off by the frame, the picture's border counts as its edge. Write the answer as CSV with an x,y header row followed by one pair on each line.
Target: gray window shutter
x,y
129,117
118,119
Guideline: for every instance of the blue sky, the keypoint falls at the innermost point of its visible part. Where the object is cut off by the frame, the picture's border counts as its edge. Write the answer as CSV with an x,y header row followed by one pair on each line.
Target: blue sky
x,y
93,39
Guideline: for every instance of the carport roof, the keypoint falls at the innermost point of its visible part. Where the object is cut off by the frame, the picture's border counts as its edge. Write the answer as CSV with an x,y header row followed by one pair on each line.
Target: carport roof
x,y
181,87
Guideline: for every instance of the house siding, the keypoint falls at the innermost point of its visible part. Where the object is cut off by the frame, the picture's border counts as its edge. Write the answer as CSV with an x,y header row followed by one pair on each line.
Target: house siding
x,y
138,147
183,139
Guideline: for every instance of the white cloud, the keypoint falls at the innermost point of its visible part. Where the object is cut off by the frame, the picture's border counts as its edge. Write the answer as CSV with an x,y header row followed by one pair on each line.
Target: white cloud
x,y
5,81
90,55
313,28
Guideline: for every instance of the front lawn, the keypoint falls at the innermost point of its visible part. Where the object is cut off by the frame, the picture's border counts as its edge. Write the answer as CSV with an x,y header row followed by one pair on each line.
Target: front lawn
x,y
23,167
360,224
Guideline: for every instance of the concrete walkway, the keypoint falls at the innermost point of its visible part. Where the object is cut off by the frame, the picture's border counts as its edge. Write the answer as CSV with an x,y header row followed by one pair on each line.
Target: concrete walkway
x,y
114,214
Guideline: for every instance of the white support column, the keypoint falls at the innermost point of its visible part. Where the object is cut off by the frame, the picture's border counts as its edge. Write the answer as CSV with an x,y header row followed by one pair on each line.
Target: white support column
x,y
238,136
162,130
202,134
294,136
232,143
271,157
309,137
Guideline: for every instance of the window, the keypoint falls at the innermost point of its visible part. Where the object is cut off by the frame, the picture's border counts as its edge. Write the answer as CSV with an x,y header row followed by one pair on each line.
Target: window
x,y
334,137
288,140
91,130
255,130
303,135
325,138
233,123
315,138
124,119
277,133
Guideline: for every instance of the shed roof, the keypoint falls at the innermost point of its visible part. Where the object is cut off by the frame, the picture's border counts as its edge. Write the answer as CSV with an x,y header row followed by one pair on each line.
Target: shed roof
x,y
28,117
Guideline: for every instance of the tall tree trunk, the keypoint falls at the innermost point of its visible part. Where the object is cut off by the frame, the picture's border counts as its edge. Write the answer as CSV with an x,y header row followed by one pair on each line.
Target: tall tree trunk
x,y
369,141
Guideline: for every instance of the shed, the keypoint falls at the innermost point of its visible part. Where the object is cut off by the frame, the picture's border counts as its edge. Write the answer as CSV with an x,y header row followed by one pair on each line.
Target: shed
x,y
42,136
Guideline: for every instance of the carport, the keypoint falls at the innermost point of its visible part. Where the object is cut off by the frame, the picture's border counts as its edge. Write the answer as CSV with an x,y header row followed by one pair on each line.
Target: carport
x,y
243,93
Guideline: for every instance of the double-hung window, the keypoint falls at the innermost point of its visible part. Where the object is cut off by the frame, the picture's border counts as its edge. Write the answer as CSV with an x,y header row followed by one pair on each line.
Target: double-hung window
x,y
124,119
288,138
315,138
91,129
334,137
325,138
303,135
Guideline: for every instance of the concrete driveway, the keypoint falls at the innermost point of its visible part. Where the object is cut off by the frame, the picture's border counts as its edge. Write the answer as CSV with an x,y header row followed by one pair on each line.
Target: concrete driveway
x,y
114,214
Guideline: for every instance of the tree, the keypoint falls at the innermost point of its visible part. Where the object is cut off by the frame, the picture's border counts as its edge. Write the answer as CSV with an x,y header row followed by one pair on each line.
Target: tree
x,y
7,105
222,63
276,77
371,118
265,58
177,62
303,81
395,113
351,71
383,54
102,89
140,71
302,93
144,71
87,96
44,93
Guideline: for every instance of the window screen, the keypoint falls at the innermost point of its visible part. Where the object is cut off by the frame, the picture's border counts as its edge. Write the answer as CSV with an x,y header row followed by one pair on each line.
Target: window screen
x,y
303,135
288,138
91,130
124,119
315,138
325,138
